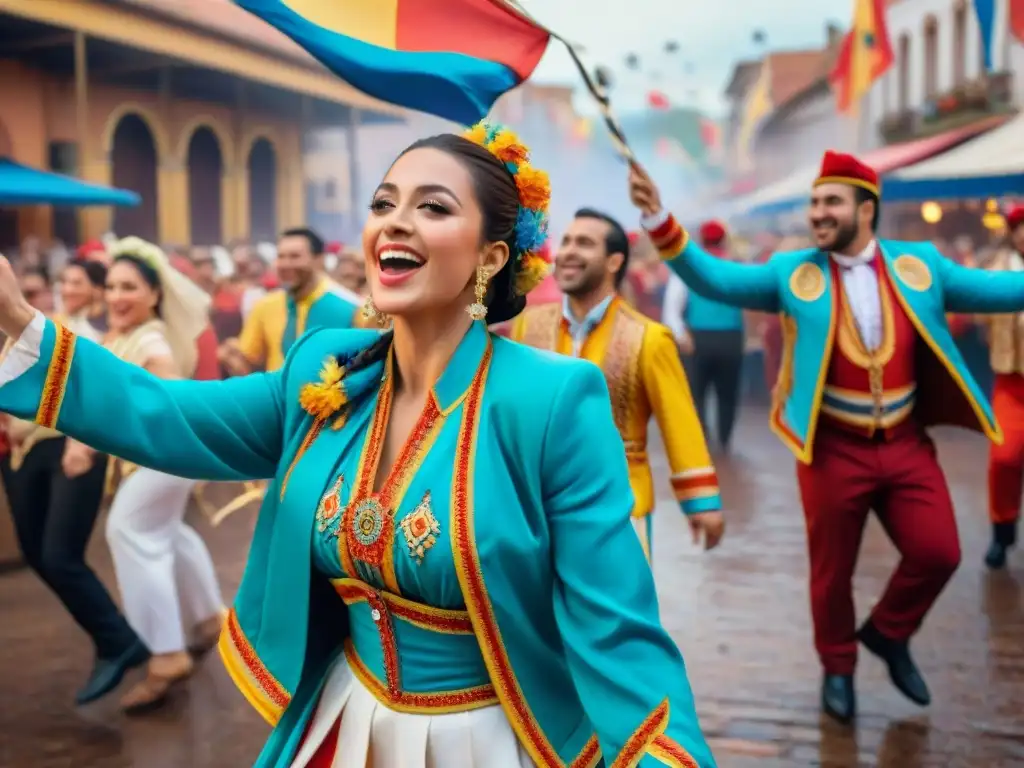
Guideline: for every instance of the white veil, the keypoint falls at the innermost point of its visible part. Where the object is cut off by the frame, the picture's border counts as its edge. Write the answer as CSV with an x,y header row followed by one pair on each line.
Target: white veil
x,y
185,308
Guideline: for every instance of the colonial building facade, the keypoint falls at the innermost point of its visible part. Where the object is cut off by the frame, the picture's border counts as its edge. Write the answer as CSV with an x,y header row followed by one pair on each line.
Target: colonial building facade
x,y
194,104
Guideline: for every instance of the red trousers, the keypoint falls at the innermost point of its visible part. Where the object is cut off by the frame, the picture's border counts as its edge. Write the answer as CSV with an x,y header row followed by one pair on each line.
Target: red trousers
x,y
1006,461
901,480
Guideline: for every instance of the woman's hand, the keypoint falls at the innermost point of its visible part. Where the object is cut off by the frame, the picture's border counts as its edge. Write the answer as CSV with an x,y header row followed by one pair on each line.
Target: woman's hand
x,y
77,459
15,312
642,191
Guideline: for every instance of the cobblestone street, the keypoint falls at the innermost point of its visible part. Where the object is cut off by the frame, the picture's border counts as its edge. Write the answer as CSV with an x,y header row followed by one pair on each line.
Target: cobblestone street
x,y
740,615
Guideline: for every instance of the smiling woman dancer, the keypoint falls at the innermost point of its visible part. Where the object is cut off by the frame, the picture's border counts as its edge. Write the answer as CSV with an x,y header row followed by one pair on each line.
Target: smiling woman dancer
x,y
444,571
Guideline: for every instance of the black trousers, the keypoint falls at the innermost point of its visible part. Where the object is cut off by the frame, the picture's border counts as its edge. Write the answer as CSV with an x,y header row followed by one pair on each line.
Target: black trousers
x,y
717,363
53,518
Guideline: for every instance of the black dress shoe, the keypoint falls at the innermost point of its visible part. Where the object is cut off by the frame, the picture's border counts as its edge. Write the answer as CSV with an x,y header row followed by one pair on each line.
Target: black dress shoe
x,y
1004,536
107,674
902,670
838,698
995,558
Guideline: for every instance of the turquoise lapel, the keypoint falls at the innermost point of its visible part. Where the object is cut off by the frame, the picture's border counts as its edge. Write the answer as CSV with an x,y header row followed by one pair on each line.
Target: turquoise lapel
x,y
452,385
290,558
815,315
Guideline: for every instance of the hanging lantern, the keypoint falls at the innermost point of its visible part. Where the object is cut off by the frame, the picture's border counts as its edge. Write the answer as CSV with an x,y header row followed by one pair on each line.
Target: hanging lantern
x,y
931,212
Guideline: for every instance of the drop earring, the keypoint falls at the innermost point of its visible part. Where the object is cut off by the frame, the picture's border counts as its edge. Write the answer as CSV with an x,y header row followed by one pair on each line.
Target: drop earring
x,y
478,310
370,312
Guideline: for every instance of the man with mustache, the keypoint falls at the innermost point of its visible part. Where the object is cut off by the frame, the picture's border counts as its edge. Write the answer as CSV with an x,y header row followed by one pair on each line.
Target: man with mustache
x,y
641,364
1006,461
869,362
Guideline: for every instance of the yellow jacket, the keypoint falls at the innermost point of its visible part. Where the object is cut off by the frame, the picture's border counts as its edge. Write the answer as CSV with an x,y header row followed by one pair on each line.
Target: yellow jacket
x,y
1006,332
641,363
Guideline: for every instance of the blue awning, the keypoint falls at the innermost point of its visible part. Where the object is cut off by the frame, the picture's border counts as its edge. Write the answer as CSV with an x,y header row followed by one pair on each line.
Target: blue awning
x,y
22,185
991,165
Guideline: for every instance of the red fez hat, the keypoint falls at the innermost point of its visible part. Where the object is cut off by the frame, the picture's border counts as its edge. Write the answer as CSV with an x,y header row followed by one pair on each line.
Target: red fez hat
x,y
334,247
712,233
837,168
1015,217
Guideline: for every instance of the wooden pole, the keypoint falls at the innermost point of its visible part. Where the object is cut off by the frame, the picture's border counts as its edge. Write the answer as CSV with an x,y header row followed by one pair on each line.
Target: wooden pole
x,y
81,120
355,201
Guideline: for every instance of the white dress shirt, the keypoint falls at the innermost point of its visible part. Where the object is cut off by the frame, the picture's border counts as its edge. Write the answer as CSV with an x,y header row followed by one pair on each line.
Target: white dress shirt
x,y
860,281
673,308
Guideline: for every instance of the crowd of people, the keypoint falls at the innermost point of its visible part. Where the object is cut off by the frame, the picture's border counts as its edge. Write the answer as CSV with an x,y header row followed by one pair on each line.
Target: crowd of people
x,y
523,626
178,313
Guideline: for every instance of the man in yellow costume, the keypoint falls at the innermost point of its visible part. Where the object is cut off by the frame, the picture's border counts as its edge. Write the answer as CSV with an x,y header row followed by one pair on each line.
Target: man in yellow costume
x,y
641,362
309,300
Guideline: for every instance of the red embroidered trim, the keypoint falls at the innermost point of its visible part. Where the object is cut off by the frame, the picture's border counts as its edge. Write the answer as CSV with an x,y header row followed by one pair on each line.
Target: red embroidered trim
x,y
425,616
260,674
404,701
56,378
314,431
637,744
589,756
474,589
663,230
670,239
685,485
380,551
671,753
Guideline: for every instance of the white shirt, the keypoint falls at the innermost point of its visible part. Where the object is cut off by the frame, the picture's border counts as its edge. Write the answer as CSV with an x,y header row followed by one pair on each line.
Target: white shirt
x,y
673,308
860,281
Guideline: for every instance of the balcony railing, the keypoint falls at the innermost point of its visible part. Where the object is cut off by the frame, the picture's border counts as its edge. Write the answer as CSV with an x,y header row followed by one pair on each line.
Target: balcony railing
x,y
988,96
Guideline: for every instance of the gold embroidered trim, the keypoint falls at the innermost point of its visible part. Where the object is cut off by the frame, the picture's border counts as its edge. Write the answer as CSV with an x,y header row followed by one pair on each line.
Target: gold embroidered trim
x,y
540,326
56,381
621,364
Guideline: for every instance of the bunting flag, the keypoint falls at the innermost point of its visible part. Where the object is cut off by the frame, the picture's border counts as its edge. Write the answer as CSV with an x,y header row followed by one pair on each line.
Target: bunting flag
x,y
450,58
757,107
865,55
1017,19
997,19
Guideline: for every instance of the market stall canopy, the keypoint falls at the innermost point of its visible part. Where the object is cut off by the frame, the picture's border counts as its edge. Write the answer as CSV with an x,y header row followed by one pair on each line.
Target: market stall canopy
x,y
22,185
988,166
792,192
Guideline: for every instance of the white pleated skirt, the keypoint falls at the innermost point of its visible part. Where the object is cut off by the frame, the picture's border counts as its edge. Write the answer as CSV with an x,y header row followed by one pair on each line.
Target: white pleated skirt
x,y
373,736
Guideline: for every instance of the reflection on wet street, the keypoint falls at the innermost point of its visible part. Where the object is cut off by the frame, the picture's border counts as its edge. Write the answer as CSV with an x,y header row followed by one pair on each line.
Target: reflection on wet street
x,y
740,615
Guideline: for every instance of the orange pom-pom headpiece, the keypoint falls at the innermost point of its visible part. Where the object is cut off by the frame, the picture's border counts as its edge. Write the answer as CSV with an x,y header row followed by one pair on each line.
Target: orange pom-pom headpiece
x,y
532,260
1015,217
837,168
712,233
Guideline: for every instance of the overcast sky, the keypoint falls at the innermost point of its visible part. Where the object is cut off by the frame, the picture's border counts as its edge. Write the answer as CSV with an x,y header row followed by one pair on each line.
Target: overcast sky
x,y
712,35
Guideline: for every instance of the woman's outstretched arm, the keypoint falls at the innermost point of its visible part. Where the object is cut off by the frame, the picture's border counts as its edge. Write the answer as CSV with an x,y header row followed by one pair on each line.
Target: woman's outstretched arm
x,y
213,430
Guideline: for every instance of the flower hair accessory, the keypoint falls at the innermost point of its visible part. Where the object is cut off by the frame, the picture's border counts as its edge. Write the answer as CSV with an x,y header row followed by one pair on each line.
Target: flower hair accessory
x,y
149,254
532,262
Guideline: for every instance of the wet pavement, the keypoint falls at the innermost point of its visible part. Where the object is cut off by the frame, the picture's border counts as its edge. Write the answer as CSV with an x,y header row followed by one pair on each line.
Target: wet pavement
x,y
739,614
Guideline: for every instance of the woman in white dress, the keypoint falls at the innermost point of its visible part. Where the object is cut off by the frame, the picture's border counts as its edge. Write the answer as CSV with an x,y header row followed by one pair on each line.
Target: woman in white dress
x,y
164,571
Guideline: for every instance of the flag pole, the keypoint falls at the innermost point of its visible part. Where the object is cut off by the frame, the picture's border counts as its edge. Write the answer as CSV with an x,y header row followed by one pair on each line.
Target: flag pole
x,y
595,84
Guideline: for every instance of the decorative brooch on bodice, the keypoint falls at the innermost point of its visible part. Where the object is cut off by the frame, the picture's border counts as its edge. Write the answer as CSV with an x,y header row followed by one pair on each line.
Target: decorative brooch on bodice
x,y
421,529
328,512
